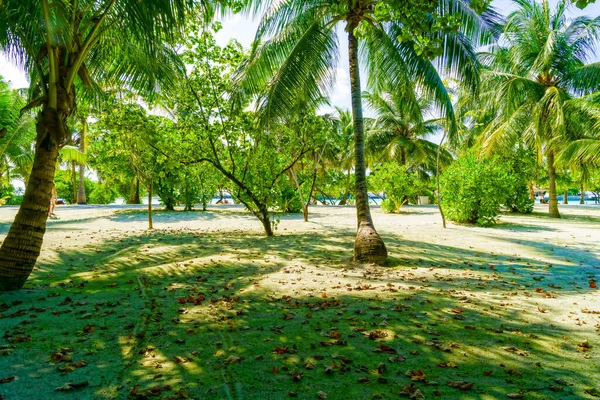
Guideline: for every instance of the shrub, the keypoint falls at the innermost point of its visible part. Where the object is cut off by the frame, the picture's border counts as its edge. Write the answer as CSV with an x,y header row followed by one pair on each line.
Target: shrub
x,y
289,201
15,201
474,189
521,168
397,184
102,194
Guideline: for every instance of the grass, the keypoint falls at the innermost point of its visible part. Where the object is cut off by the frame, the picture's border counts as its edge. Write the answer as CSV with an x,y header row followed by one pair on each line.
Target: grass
x,y
226,314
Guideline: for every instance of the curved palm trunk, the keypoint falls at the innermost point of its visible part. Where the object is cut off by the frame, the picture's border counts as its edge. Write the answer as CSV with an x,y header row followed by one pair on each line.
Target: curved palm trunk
x,y
368,245
81,198
21,248
553,209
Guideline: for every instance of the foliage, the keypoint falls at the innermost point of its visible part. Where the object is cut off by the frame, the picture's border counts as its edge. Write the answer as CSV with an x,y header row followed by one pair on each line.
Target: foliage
x,y
63,179
473,189
17,134
395,182
536,84
216,130
102,193
289,200
521,166
199,185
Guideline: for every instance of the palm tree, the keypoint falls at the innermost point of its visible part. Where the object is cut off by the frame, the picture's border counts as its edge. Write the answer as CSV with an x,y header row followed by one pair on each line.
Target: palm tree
x,y
296,52
340,153
58,43
535,75
17,133
399,133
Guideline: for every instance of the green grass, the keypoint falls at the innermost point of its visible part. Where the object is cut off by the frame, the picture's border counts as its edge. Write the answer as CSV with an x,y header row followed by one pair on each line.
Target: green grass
x,y
291,316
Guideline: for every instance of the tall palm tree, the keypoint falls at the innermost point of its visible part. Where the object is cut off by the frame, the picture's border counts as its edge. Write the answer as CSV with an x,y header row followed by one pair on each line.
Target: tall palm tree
x,y
59,42
296,52
535,74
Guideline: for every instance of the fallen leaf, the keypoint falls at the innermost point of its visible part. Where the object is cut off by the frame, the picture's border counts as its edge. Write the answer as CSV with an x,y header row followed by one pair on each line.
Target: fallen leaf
x,y
460,385
7,379
416,375
448,364
281,350
70,386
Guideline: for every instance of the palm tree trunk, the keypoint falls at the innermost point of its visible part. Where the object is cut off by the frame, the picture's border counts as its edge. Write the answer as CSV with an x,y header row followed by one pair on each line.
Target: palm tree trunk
x,y
368,245
553,209
81,199
74,181
565,197
437,179
150,205
582,194
21,247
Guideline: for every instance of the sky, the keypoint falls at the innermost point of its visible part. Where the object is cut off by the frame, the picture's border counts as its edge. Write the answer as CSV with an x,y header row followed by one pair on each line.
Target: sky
x,y
243,30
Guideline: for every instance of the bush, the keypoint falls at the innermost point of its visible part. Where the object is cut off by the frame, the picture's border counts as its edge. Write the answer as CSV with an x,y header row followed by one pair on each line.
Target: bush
x,y
521,167
15,201
387,206
474,189
397,184
102,194
289,201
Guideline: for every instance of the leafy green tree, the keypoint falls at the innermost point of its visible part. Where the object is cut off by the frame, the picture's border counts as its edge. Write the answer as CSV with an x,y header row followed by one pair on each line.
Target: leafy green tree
x,y
58,43
473,189
128,133
535,74
216,130
296,51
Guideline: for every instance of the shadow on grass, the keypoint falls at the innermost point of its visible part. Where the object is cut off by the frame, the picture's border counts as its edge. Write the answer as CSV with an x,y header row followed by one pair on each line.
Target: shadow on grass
x,y
283,314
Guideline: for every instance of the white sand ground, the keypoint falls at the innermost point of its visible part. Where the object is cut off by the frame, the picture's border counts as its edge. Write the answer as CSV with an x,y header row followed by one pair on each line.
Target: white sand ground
x,y
561,251
530,270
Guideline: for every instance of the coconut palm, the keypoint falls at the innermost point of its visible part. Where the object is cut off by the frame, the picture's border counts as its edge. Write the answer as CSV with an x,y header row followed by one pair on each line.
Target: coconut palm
x,y
58,43
400,131
536,74
296,52
17,133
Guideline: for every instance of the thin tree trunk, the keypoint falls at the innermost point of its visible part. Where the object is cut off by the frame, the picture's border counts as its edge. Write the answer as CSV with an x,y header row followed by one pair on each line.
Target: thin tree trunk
x,y
266,221
553,208
347,192
565,197
74,181
531,191
368,245
437,178
21,247
302,202
582,195
81,198
150,205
